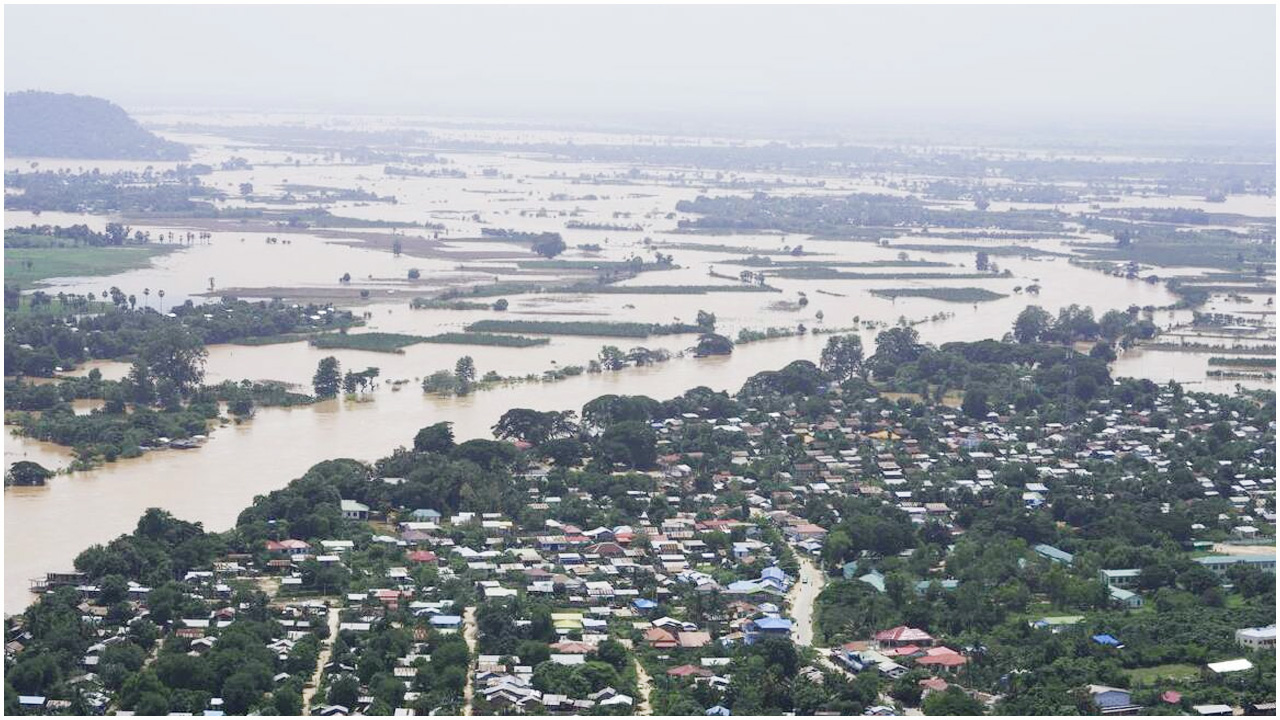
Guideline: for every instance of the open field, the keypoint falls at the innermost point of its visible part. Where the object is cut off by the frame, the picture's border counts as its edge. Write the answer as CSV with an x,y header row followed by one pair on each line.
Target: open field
x,y
25,266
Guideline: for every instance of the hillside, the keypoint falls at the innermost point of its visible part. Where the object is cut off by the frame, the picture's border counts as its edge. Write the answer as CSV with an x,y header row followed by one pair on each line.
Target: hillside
x,y
41,124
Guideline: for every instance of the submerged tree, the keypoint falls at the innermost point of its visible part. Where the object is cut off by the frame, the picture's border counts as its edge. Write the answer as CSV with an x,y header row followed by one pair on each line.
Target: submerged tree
x,y
328,378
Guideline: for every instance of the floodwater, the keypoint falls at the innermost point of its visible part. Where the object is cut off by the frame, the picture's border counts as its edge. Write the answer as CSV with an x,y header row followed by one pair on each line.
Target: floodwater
x,y
46,527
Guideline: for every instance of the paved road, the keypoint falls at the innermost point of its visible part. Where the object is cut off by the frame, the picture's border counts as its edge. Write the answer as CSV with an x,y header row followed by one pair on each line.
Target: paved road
x,y
802,597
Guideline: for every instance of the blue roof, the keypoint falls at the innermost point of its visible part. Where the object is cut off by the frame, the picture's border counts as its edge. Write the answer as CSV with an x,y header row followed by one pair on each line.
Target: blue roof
x,y
773,572
644,603
769,623
1106,640
719,710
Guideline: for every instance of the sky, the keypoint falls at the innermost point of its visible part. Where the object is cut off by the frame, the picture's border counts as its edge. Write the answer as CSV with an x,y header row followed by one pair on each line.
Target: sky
x,y
818,65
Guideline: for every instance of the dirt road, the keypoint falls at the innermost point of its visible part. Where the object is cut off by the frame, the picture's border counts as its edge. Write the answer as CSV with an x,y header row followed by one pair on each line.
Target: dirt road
x,y
645,685
469,633
326,651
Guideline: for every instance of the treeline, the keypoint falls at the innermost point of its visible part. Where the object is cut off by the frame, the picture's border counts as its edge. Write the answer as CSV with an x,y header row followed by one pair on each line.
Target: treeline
x,y
840,216
39,344
178,190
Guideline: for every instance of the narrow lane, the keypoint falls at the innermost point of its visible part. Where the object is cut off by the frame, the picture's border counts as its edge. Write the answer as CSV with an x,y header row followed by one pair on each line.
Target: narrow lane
x,y
469,634
326,652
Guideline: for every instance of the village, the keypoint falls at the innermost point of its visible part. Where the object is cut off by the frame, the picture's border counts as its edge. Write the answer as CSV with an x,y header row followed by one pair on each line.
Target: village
x,y
702,577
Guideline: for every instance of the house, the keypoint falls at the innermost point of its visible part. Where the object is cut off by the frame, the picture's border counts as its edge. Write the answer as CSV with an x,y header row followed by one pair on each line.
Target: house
x,y
1113,701
288,547
902,636
1213,710
941,658
1126,578
804,531
353,510
687,671
767,627
1226,667
1219,564
693,639
660,638
446,622
426,515
1125,598
1054,554
1257,638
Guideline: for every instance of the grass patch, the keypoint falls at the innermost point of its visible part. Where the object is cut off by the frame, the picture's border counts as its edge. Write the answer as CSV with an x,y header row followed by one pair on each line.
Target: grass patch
x,y
420,303
825,273
1247,362
480,338
765,262
665,289
271,339
55,307
593,265
596,329
1153,675
373,342
29,265
965,295
992,250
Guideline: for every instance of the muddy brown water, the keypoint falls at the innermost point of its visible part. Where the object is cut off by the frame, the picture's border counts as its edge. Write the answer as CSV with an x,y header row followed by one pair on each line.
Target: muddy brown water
x,y
46,527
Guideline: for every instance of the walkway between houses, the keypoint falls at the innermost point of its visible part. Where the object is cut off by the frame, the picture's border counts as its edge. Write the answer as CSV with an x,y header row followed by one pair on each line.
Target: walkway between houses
x,y
469,634
326,652
644,684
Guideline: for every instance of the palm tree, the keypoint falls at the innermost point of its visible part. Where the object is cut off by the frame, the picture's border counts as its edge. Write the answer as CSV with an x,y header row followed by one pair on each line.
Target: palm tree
x,y
161,293
146,294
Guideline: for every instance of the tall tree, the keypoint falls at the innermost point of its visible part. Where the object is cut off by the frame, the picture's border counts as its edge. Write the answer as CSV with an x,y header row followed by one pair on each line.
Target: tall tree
x,y
328,378
842,357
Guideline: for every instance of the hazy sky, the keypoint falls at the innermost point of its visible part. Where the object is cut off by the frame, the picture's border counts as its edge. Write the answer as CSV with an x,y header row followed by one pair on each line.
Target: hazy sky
x,y
828,64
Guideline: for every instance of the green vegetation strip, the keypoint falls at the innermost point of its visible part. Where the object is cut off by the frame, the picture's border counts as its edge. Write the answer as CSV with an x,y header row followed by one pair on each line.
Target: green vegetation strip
x,y
666,289
373,342
1243,362
478,338
944,294
271,339
27,265
596,329
822,273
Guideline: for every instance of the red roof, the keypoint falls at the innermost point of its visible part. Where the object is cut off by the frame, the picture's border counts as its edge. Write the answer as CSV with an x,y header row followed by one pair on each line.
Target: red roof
x,y
1173,697
659,638
934,683
903,634
422,556
944,656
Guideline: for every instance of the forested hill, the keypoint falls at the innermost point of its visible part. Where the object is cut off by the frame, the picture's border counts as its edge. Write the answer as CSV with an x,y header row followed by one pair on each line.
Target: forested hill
x,y
42,124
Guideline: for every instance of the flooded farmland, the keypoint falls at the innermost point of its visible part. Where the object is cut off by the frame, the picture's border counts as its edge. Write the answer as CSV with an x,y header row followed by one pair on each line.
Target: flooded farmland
x,y
607,213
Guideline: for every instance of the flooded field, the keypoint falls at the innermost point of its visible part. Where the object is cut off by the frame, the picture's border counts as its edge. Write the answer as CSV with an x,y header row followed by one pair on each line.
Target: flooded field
x,y
624,212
